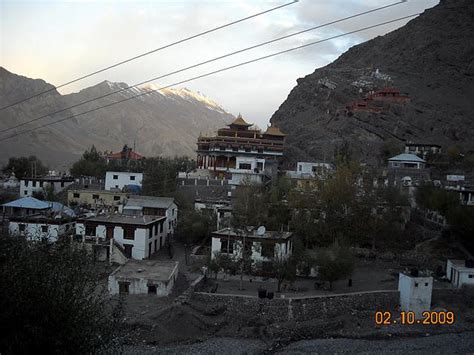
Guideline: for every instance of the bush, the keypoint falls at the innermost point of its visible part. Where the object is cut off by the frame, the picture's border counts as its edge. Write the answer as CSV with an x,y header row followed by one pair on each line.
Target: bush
x,y
51,299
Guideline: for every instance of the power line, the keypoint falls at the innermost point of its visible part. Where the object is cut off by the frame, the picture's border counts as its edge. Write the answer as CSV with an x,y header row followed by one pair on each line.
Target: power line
x,y
200,64
150,52
211,73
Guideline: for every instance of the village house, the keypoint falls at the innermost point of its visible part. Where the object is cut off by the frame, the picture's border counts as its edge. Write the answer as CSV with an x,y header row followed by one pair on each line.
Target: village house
x,y
30,185
264,246
139,236
31,206
407,170
309,174
422,149
241,152
97,199
221,208
460,272
41,227
117,180
467,197
153,206
137,277
125,155
11,182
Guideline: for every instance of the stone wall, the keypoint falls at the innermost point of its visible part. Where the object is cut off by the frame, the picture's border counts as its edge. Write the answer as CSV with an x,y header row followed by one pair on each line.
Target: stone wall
x,y
302,308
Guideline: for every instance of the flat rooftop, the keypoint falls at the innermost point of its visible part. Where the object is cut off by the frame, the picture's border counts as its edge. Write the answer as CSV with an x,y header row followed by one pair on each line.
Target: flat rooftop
x,y
146,269
270,235
124,219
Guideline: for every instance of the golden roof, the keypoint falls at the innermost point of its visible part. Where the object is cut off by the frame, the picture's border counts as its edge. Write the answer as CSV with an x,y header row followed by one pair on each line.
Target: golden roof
x,y
239,121
274,131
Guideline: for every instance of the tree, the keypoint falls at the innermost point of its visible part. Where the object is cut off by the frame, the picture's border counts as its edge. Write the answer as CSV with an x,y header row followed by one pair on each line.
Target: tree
x,y
92,163
194,225
52,299
284,269
25,166
334,264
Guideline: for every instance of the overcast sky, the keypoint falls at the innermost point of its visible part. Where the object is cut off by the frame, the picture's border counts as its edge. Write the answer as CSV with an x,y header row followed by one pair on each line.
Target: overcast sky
x,y
60,40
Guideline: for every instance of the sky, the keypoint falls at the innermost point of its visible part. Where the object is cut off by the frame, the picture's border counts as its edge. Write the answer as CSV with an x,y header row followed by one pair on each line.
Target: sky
x,y
59,40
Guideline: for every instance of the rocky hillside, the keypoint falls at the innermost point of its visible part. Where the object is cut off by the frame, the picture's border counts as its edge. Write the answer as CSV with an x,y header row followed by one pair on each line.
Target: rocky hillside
x,y
160,123
431,60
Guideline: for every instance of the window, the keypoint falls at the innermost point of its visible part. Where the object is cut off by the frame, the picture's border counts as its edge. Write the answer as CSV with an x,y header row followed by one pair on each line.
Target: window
x,y
245,166
44,229
62,183
116,198
227,246
156,229
95,197
116,186
247,150
416,284
235,149
132,177
471,276
26,182
161,227
172,212
124,287
76,195
41,183
129,233
426,284
152,289
115,177
169,225
268,250
26,192
34,183
22,227
90,229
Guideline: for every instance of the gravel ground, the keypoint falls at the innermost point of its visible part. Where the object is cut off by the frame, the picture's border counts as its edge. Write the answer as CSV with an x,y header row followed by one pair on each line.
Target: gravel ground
x,y
462,343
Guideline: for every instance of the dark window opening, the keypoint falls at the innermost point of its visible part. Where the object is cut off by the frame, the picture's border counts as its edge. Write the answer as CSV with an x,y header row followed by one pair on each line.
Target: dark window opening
x,y
95,197
245,166
227,246
129,233
22,227
152,289
161,227
115,177
76,195
124,288
268,250
90,230
44,229
132,177
116,198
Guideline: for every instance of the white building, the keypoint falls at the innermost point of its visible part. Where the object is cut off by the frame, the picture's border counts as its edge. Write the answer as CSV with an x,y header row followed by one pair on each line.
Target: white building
x,y
265,245
466,196
41,227
143,277
11,182
415,293
30,185
139,236
422,149
120,179
305,170
153,206
406,161
460,272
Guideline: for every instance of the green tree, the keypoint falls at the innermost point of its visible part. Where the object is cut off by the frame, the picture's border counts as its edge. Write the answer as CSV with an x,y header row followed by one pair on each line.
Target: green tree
x,y
25,167
92,163
52,299
284,269
335,264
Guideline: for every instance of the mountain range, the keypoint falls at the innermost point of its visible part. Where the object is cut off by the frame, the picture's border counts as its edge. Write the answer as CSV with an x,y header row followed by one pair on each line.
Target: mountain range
x,y
159,123
430,60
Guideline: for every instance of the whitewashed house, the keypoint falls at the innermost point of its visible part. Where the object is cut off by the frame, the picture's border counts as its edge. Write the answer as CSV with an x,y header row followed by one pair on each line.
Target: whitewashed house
x,y
30,185
11,182
406,161
460,272
311,170
137,277
41,227
120,179
415,293
139,236
153,206
264,245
